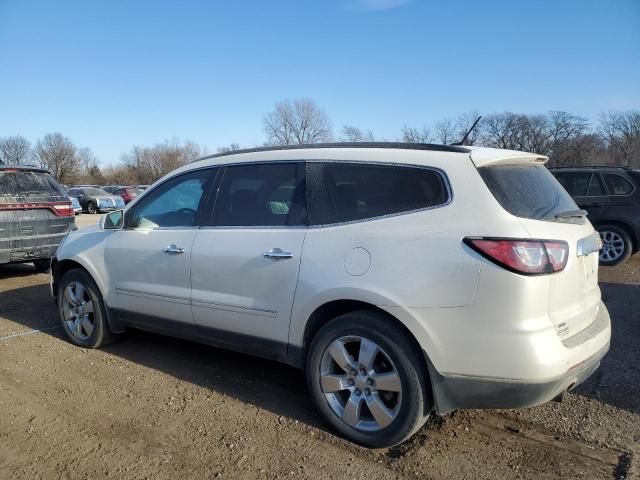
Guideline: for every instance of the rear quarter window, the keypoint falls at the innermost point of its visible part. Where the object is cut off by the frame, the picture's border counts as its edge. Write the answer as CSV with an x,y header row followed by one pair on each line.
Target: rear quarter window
x,y
528,191
617,184
346,192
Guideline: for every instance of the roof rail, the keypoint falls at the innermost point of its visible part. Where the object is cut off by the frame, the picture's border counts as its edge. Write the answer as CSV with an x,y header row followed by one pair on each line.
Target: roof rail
x,y
399,145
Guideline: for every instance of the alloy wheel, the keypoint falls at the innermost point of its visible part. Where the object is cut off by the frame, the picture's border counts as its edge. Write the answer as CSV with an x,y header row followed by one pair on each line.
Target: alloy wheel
x,y
78,311
612,246
360,383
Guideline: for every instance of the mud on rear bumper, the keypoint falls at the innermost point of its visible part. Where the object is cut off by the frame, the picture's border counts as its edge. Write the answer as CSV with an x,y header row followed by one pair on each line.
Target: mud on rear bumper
x,y
459,392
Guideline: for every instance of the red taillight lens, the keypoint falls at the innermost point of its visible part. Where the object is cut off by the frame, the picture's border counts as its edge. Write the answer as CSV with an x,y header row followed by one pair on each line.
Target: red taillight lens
x,y
527,257
63,209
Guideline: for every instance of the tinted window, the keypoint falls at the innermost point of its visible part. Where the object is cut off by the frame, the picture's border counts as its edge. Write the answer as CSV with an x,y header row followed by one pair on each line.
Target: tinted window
x,y
617,184
175,203
262,195
345,192
528,191
595,187
28,184
576,183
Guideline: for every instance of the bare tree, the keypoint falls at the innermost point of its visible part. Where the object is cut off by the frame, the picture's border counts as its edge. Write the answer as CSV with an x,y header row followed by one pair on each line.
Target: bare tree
x,y
445,131
416,135
464,123
15,150
89,171
147,164
500,130
299,121
351,134
354,134
57,153
229,148
621,131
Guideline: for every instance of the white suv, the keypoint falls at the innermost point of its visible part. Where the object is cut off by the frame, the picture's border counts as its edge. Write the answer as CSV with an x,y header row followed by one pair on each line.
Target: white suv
x,y
404,279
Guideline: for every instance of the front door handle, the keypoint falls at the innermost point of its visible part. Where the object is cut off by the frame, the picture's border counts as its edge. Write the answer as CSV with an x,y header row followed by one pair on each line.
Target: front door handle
x,y
277,253
173,250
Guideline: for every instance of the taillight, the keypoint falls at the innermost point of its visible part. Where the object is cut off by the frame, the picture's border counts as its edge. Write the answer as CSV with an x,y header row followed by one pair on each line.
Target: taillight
x,y
527,257
60,209
63,209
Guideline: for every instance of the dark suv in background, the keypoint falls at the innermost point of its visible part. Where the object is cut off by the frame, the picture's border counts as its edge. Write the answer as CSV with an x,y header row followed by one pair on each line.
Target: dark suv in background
x,y
35,215
611,195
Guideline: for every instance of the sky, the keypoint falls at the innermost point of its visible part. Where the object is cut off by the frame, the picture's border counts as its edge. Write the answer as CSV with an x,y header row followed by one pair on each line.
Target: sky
x,y
111,74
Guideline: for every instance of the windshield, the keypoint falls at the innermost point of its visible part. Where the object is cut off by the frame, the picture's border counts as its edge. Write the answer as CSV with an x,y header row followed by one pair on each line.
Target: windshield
x,y
22,183
529,191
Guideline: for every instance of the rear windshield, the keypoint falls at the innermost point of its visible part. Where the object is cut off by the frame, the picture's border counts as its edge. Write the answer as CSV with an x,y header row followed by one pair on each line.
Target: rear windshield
x,y
528,191
30,185
133,191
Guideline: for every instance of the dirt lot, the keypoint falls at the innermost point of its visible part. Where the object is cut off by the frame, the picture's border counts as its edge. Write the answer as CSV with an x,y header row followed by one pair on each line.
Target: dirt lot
x,y
152,407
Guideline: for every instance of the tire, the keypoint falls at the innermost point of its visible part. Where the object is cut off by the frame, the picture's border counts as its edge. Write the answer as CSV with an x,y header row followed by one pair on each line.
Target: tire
x,y
85,329
616,245
396,357
42,266
92,208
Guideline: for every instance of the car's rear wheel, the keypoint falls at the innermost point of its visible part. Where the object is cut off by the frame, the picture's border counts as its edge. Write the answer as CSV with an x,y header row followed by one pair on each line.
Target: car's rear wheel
x,y
616,245
367,378
92,208
82,311
42,266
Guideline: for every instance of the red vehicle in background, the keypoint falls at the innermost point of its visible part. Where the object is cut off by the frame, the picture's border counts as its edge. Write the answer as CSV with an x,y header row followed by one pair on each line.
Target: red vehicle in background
x,y
128,194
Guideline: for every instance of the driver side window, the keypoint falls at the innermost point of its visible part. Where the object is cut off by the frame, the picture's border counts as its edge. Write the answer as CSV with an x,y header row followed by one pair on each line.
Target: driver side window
x,y
175,203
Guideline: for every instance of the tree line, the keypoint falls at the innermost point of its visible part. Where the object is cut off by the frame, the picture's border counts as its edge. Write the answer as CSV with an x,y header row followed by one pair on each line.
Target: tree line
x,y
567,139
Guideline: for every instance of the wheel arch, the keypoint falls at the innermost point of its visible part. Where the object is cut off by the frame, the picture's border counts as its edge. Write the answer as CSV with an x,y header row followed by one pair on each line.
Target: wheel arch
x,y
334,308
60,267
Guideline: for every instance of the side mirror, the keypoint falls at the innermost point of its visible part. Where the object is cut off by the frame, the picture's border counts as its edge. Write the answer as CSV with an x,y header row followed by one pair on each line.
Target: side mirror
x,y
112,221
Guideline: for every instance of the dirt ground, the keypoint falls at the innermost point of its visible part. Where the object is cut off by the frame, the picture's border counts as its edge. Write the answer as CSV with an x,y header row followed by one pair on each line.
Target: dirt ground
x,y
151,407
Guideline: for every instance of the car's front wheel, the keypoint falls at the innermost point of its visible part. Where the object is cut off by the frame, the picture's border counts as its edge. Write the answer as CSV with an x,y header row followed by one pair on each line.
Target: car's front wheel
x,y
368,380
92,207
82,311
616,245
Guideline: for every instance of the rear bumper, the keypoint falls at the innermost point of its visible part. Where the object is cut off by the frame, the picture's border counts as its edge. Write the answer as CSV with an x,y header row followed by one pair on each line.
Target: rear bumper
x,y
21,255
460,392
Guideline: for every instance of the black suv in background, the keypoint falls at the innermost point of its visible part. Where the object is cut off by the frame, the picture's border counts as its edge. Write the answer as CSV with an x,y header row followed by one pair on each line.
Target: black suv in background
x,y
35,215
611,195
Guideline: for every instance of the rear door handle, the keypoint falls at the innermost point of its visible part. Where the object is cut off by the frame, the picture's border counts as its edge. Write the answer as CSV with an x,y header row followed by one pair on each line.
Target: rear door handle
x,y
173,250
277,253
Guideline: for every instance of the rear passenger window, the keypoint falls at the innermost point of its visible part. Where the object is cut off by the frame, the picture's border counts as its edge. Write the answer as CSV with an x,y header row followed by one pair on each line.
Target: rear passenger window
x,y
617,184
576,183
345,192
262,195
595,187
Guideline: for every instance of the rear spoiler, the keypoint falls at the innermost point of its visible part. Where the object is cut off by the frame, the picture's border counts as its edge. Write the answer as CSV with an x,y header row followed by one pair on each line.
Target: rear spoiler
x,y
482,157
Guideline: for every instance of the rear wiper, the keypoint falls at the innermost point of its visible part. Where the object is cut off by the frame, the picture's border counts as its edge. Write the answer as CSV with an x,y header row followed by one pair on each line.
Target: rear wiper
x,y
572,214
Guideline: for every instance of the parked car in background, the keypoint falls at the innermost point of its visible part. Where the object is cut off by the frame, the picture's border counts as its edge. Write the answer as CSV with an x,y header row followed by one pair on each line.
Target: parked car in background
x,y
35,214
75,204
96,200
128,194
611,196
432,277
111,188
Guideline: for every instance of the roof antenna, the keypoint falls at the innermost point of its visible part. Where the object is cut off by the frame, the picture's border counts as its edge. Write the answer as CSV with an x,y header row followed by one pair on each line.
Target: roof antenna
x,y
464,139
